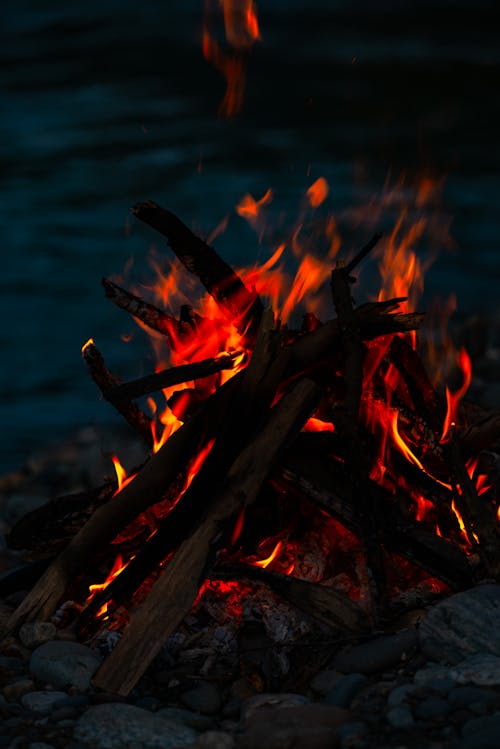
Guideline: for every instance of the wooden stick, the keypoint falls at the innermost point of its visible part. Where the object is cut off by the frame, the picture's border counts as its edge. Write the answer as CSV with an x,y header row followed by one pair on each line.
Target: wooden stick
x,y
369,246
250,402
106,382
347,421
172,376
173,594
242,307
481,435
323,603
478,515
152,482
154,318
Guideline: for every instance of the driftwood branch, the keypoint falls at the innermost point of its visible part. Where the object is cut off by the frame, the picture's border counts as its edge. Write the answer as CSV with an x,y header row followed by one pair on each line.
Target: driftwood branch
x,y
174,593
106,382
242,307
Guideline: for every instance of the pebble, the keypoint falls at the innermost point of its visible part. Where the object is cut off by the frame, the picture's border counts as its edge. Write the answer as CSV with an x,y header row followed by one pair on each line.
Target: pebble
x,y
15,690
400,717
432,707
308,725
186,718
351,734
480,733
40,745
344,691
377,654
461,697
64,713
33,634
400,694
215,740
482,670
267,703
12,666
462,625
41,702
203,698
115,725
62,664
432,674
324,681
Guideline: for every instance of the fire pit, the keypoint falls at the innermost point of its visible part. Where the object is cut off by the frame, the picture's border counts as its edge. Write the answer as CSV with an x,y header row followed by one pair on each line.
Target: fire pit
x,y
320,463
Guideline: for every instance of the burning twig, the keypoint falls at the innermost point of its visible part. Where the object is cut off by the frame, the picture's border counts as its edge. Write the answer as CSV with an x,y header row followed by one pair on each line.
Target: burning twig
x,y
147,313
106,382
174,593
172,376
242,307
364,252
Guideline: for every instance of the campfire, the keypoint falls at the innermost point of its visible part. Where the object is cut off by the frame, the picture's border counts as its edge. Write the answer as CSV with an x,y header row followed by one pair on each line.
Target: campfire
x,y
318,461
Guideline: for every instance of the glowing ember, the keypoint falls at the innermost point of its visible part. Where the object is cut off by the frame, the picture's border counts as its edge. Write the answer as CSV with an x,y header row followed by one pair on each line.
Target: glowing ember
x,y
86,345
317,425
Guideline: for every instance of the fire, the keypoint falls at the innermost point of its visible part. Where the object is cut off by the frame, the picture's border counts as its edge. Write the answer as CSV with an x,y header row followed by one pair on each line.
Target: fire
x,y
121,474
453,399
266,562
318,192
87,345
317,425
241,32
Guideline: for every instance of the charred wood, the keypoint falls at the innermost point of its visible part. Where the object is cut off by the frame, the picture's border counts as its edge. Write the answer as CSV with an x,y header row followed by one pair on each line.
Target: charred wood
x,y
241,306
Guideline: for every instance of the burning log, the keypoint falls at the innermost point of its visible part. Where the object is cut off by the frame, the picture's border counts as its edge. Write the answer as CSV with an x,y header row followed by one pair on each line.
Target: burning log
x,y
172,376
243,308
174,593
481,435
106,382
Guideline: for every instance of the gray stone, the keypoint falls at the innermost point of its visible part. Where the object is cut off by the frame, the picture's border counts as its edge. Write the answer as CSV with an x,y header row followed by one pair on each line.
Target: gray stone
x,y
432,707
482,670
187,718
59,714
351,734
442,686
203,698
464,697
63,664
324,681
480,733
40,745
41,702
400,694
463,624
431,674
116,725
18,688
265,703
12,666
400,717
308,725
215,740
344,691
378,654
33,634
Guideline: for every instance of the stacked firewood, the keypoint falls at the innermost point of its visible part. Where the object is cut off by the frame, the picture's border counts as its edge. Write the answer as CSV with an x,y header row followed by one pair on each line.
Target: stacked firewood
x,y
249,435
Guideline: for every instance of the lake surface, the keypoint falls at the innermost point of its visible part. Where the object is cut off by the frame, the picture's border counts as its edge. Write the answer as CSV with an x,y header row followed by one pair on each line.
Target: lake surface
x,y
107,103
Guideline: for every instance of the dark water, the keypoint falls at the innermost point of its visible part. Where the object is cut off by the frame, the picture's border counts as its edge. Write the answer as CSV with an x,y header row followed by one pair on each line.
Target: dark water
x,y
106,103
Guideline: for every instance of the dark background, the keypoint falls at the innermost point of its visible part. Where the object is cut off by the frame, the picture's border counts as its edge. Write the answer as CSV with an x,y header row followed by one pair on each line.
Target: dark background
x,y
107,103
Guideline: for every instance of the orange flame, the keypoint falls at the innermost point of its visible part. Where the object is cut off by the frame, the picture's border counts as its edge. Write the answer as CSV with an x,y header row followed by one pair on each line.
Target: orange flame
x,y
266,562
121,474
317,425
241,31
86,345
453,399
318,192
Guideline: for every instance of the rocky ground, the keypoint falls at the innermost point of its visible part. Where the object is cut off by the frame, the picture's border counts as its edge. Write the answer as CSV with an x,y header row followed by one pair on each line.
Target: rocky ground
x,y
431,681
